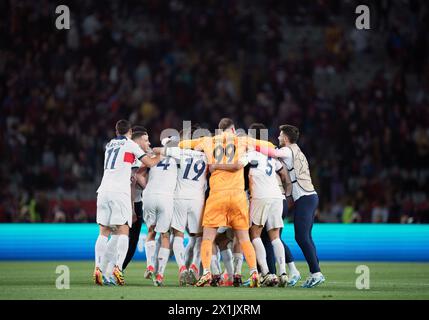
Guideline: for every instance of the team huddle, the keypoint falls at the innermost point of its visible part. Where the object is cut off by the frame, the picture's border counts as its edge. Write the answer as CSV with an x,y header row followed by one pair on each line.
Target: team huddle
x,y
198,186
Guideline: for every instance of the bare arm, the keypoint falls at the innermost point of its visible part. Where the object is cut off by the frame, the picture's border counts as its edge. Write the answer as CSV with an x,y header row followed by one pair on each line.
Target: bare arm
x,y
141,177
287,183
150,161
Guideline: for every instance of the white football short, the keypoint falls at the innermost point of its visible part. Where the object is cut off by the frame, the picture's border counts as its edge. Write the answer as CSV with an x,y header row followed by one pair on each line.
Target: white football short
x,y
114,209
188,213
267,212
158,211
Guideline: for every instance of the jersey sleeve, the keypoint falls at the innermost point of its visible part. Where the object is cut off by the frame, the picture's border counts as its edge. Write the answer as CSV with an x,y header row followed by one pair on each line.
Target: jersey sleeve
x,y
137,164
284,153
136,150
254,143
191,144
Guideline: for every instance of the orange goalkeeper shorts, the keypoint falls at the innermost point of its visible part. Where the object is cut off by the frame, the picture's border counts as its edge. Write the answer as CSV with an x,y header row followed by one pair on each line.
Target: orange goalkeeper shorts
x,y
227,208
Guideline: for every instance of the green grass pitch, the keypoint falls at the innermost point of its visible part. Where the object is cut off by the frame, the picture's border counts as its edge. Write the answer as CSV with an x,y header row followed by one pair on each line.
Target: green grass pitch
x,y
36,280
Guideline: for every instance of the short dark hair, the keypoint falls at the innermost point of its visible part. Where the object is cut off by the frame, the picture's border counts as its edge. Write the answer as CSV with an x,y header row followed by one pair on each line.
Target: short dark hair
x,y
257,127
291,132
122,127
138,129
225,123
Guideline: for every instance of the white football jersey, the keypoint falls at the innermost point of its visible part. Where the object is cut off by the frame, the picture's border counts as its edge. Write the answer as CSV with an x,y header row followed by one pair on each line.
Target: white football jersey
x,y
191,174
162,178
262,176
119,156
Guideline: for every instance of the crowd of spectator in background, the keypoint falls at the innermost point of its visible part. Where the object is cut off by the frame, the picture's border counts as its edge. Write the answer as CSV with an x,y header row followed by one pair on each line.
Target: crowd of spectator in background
x,y
159,63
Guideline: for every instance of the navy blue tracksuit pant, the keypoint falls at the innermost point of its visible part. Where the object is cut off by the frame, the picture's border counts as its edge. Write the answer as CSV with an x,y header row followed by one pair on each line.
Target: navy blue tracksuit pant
x,y
134,234
304,212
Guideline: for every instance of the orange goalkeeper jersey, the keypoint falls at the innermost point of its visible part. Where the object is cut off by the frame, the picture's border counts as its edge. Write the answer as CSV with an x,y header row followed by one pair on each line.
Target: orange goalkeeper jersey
x,y
225,148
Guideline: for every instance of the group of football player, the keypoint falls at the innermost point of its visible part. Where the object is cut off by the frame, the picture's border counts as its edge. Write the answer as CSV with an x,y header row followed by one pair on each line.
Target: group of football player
x,y
229,192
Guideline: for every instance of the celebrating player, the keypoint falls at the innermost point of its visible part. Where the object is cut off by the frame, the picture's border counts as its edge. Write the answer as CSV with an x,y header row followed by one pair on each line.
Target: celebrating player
x,y
158,198
114,197
304,196
188,207
227,202
141,137
266,207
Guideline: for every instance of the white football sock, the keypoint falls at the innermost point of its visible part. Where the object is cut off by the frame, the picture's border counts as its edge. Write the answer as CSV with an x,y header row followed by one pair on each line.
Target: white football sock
x,y
110,255
292,268
100,250
279,253
163,255
157,247
197,252
261,255
227,261
215,265
122,250
238,262
189,251
179,251
109,269
150,247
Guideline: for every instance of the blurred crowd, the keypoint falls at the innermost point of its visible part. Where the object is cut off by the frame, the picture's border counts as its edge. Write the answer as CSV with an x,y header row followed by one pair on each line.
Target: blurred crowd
x,y
159,63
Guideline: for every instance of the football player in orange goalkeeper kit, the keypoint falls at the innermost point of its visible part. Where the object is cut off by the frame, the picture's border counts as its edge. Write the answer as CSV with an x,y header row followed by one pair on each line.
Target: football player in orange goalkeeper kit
x,y
227,204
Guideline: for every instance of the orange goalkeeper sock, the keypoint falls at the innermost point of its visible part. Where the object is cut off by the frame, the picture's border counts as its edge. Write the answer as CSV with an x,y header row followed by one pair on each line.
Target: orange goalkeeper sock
x,y
249,254
206,253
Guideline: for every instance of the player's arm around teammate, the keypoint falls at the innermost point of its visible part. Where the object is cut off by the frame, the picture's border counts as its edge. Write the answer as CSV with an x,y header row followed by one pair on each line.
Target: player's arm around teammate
x,y
114,209
304,195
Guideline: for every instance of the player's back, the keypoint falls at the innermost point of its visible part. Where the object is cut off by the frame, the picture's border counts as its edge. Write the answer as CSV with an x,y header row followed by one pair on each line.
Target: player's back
x,y
191,173
119,156
263,181
226,148
162,178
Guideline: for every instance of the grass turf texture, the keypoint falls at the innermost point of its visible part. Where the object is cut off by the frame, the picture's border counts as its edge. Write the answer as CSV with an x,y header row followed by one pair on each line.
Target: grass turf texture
x,y
36,280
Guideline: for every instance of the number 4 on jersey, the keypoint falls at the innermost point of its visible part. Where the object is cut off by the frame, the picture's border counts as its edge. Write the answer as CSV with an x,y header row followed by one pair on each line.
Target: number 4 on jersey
x,y
164,163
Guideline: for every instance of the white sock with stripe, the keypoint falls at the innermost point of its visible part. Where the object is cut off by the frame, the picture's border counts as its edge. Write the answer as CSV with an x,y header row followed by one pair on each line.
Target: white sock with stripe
x,y
197,252
261,255
238,262
110,255
279,253
179,251
122,246
100,250
150,247
227,261
163,255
